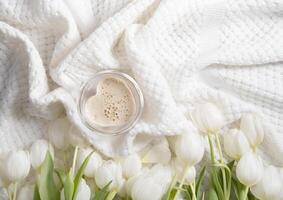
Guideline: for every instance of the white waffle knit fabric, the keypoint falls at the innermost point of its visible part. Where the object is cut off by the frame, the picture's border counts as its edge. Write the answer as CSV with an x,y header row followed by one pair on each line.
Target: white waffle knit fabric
x,y
181,52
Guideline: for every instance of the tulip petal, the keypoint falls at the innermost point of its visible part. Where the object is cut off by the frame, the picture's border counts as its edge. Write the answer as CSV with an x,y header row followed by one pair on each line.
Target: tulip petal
x,y
159,153
249,169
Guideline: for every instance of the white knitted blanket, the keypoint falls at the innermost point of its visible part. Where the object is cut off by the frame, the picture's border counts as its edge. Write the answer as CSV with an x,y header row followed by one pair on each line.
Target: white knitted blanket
x,y
179,51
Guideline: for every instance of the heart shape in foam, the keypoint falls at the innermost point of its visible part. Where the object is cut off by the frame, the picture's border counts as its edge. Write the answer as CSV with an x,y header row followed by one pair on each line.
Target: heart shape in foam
x,y
112,105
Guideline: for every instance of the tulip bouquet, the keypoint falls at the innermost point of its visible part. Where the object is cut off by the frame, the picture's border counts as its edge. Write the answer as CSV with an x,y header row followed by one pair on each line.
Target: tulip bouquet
x,y
65,167
235,173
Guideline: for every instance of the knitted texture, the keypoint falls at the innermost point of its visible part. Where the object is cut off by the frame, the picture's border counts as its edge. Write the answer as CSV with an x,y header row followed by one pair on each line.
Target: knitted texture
x,y
180,52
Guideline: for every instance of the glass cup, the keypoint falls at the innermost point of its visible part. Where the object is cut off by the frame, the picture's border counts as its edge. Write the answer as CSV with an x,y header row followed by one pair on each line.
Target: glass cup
x,y
90,89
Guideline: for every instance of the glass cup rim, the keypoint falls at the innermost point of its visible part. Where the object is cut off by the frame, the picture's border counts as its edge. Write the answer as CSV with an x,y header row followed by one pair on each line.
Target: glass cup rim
x,y
139,104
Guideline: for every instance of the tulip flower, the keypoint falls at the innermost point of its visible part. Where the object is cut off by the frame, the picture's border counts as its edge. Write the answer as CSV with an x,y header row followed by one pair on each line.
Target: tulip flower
x,y
84,192
109,171
158,153
16,165
38,151
191,175
189,148
161,174
131,165
130,182
249,169
178,167
26,193
94,162
58,133
235,144
76,138
270,186
208,118
146,189
151,183
252,126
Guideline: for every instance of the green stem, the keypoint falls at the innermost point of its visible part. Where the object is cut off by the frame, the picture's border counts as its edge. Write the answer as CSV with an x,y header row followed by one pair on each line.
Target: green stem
x,y
182,180
15,191
111,195
222,170
192,186
9,194
219,148
211,149
224,184
74,160
245,197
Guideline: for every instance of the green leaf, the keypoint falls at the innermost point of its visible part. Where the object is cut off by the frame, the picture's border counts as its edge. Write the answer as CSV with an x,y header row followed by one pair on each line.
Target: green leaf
x,y
252,197
47,187
127,198
231,165
79,175
189,191
228,181
217,183
69,187
62,175
212,195
199,181
240,189
173,194
111,195
187,196
103,193
235,187
36,193
224,177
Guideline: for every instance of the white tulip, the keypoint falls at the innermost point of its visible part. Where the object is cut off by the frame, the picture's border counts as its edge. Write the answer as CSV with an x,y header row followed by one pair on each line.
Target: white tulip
x,y
270,186
161,174
208,118
190,175
179,168
58,133
76,138
84,192
145,189
38,152
131,181
235,144
252,126
109,171
94,162
25,193
151,183
189,148
158,153
16,165
131,165
249,169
